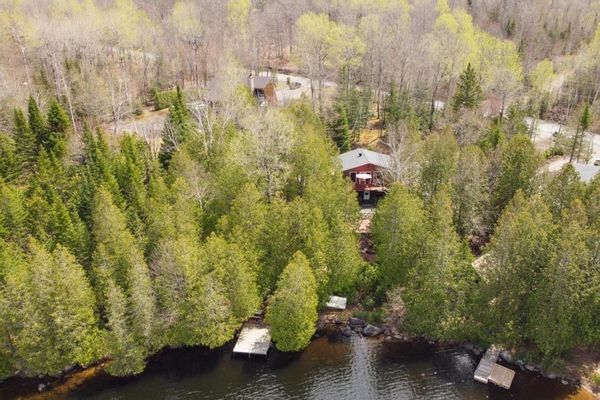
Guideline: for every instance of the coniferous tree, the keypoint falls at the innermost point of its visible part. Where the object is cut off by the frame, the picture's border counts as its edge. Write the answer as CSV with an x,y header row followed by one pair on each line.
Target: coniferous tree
x,y
292,310
584,124
25,141
439,291
517,257
339,129
10,167
468,90
399,232
519,165
177,129
118,260
392,108
58,125
53,301
37,123
562,190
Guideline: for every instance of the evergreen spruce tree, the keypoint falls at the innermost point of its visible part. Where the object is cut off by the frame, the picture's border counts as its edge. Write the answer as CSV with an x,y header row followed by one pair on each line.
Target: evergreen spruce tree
x,y
339,129
292,310
177,129
118,260
37,123
10,167
392,108
52,300
468,90
518,169
25,141
399,231
58,125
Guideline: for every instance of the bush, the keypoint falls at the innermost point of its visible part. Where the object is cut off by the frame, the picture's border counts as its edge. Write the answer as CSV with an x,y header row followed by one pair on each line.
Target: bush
x,y
595,379
553,151
164,99
373,317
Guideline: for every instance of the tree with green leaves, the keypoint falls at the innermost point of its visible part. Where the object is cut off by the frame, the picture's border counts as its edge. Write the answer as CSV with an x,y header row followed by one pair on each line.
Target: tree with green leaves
x,y
392,112
398,232
512,269
58,126
469,192
468,90
439,155
582,127
292,310
562,190
25,141
440,290
37,123
177,130
118,263
49,307
10,167
518,168
339,129
561,315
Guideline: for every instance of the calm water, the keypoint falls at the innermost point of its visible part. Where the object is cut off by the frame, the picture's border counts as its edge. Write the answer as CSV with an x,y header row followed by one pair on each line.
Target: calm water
x,y
355,368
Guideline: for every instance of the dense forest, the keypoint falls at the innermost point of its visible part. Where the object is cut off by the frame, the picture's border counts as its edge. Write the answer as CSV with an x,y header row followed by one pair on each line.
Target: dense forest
x,y
115,245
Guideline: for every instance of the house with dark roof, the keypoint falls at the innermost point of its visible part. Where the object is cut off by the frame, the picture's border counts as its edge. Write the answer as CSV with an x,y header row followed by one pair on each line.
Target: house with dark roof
x,y
263,89
366,169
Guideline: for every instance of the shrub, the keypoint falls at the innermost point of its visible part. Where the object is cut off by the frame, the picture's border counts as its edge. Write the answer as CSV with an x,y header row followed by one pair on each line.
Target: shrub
x,y
595,379
164,99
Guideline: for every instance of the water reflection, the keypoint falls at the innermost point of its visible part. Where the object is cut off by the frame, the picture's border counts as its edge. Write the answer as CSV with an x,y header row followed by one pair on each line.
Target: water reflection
x,y
355,368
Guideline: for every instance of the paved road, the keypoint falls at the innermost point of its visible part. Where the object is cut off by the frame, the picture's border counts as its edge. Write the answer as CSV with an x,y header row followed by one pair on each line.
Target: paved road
x,y
543,139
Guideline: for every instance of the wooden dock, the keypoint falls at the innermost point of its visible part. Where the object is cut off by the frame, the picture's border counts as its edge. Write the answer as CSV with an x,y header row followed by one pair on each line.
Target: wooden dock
x,y
489,370
253,340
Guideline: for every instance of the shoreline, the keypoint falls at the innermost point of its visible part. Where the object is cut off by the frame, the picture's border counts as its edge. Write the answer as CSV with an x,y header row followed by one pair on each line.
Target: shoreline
x,y
331,324
328,325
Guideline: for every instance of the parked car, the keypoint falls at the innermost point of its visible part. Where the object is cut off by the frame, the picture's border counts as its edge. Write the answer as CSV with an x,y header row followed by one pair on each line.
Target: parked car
x,y
597,163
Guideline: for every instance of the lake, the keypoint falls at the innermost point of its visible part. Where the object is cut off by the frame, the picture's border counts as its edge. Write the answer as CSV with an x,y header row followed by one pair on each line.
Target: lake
x,y
330,368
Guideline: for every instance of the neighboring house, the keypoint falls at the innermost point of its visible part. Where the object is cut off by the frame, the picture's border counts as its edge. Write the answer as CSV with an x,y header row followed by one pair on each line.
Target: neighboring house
x,y
586,172
366,170
263,89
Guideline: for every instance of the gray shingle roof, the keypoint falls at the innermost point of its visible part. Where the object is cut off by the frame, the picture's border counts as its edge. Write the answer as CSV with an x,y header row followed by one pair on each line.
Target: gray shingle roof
x,y
261,82
357,157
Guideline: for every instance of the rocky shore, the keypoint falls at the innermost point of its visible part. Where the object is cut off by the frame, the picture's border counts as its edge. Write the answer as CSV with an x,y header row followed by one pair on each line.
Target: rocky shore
x,y
346,325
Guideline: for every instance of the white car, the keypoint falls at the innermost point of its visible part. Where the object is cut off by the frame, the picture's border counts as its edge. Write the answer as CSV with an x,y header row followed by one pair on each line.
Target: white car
x,y
597,163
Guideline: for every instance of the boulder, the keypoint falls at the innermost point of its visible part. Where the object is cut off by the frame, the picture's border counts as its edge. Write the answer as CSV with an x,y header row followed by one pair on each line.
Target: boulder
x,y
387,332
346,331
530,367
468,346
564,382
506,356
357,322
41,387
371,330
477,352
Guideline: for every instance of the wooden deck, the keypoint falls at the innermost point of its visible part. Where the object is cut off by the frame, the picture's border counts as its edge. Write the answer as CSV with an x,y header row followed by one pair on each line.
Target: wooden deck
x,y
253,340
336,303
489,370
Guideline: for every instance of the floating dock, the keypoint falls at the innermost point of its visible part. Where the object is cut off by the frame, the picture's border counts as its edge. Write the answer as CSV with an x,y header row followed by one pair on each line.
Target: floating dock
x,y
489,370
253,340
336,303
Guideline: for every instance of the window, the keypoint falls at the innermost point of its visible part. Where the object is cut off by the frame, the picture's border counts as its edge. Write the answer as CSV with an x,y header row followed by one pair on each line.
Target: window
x,y
353,176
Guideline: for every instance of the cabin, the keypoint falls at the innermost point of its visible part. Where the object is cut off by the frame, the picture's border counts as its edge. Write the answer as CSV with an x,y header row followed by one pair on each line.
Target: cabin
x,y
263,89
366,169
